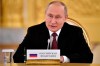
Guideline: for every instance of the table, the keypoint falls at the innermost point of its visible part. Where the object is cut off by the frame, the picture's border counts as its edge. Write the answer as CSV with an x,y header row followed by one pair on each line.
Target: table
x,y
62,64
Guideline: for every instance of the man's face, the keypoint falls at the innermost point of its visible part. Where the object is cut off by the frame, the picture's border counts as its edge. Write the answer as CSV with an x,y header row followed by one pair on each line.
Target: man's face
x,y
55,17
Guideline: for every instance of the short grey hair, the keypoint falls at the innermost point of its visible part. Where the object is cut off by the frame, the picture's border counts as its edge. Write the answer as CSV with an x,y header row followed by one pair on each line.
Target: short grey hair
x,y
59,3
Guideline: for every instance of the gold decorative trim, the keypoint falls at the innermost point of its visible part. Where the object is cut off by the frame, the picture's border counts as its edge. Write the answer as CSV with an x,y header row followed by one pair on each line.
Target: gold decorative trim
x,y
43,61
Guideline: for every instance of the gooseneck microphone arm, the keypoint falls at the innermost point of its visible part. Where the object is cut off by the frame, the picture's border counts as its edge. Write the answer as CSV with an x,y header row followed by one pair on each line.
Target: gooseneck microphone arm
x,y
50,42
48,46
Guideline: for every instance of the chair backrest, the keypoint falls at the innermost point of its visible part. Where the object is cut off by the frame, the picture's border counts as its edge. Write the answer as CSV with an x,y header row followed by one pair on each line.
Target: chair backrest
x,y
76,23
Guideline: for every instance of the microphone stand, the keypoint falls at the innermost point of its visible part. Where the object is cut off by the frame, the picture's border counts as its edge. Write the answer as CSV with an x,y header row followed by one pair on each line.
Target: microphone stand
x,y
50,42
48,46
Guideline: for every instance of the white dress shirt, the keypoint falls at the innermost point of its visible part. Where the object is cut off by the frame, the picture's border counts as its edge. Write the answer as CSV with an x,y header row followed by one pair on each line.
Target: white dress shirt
x,y
66,59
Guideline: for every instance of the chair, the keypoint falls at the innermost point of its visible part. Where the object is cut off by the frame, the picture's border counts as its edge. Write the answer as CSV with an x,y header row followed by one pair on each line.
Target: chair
x,y
76,23
96,53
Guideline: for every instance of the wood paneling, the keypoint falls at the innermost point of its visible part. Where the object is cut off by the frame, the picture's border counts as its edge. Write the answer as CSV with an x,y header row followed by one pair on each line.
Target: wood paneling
x,y
9,46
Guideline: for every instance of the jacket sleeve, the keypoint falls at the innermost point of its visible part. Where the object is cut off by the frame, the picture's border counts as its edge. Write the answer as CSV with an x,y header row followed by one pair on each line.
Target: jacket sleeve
x,y
81,50
19,54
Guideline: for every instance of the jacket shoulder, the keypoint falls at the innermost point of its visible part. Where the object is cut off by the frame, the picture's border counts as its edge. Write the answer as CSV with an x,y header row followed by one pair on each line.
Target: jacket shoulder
x,y
71,27
38,27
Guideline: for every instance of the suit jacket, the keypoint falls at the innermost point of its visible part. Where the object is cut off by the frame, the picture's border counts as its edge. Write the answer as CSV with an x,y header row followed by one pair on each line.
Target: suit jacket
x,y
71,43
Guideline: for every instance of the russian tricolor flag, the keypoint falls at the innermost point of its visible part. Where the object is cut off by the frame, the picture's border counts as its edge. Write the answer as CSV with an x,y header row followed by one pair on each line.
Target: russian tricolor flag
x,y
33,55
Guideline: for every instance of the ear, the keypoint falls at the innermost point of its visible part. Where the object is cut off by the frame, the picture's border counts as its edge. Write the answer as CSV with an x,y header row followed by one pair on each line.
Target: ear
x,y
66,17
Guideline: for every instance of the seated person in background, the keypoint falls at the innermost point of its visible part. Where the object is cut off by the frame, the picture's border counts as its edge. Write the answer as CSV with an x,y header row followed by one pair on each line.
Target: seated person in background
x,y
69,39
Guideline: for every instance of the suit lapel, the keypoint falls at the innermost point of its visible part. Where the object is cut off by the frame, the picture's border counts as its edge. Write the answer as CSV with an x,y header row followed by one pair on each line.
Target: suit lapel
x,y
63,36
45,31
44,34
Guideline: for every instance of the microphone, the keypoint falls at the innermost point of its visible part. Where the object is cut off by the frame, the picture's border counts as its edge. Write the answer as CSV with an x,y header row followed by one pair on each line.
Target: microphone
x,y
50,42
48,46
25,55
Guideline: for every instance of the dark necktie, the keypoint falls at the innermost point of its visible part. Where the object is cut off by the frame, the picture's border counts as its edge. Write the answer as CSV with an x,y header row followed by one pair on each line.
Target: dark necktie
x,y
54,42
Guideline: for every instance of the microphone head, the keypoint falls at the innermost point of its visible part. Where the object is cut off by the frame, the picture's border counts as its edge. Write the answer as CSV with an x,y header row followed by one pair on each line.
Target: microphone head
x,y
51,38
48,40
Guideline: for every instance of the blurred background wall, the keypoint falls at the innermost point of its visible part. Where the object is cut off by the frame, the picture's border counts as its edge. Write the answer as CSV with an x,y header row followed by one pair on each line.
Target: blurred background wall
x,y
25,13
17,15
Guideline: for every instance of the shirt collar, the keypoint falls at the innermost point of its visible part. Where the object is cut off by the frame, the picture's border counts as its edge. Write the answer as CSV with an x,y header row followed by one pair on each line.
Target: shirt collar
x,y
58,32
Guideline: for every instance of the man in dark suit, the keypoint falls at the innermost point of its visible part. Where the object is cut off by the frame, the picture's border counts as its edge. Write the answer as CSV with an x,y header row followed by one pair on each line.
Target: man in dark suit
x,y
70,39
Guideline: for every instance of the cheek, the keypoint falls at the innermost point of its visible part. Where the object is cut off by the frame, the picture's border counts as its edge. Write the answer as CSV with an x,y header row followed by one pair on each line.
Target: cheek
x,y
61,24
47,19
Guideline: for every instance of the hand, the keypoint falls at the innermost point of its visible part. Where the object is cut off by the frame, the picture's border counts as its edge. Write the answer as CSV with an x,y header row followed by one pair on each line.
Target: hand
x,y
61,59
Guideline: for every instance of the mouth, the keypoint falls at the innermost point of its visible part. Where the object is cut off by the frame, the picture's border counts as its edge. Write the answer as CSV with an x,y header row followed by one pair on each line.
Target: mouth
x,y
53,26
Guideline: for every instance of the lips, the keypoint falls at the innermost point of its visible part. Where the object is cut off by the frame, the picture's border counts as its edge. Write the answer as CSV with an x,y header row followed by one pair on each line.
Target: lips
x,y
53,26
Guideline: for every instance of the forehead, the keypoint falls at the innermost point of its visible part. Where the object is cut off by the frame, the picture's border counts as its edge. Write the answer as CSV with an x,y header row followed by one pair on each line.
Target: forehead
x,y
55,9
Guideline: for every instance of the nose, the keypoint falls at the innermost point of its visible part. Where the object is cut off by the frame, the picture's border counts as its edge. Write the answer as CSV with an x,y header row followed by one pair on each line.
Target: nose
x,y
53,20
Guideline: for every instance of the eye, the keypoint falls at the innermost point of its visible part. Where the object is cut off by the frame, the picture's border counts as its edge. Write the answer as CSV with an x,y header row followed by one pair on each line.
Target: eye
x,y
50,15
58,17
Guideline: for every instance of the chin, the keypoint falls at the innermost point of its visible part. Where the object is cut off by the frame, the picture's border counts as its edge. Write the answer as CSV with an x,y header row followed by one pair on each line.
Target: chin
x,y
53,30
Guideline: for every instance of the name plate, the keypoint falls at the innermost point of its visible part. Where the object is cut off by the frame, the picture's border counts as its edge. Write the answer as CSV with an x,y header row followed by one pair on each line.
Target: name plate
x,y
43,54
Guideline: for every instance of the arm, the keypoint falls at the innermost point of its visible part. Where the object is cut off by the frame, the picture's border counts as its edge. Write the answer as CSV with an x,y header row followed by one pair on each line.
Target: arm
x,y
19,54
81,53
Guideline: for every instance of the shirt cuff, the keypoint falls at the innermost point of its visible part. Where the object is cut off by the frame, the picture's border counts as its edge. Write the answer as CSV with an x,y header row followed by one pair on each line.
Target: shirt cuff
x,y
66,59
